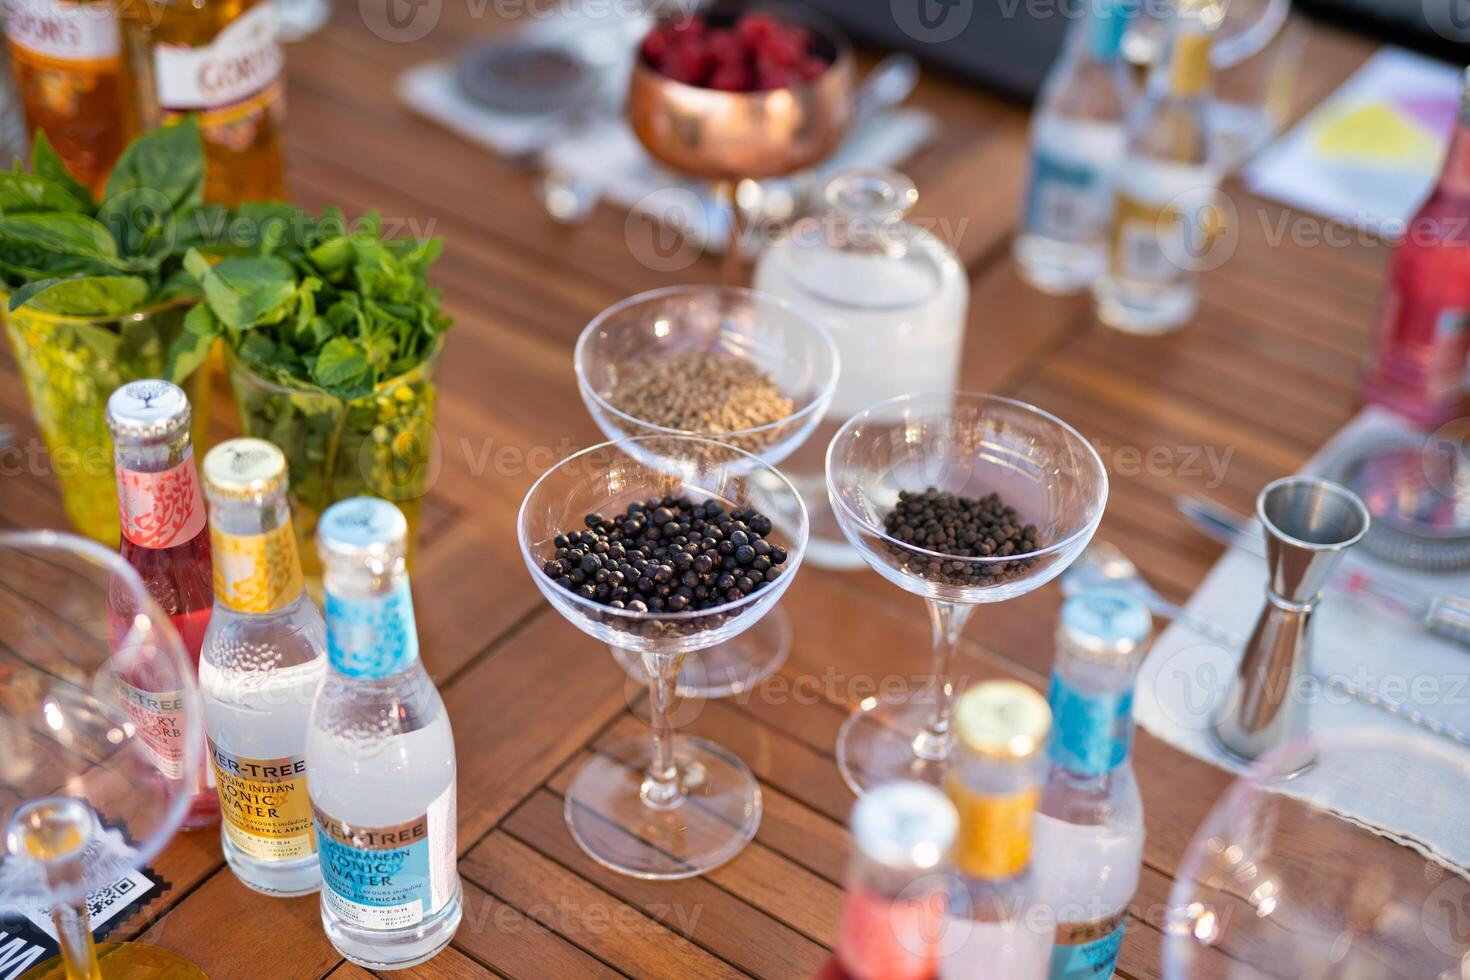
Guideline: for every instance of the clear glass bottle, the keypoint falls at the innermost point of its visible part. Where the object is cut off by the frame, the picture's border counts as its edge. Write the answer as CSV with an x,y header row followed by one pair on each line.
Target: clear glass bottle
x,y
380,754
1166,213
1077,142
263,660
893,296
894,904
1001,923
165,537
73,85
1089,825
223,60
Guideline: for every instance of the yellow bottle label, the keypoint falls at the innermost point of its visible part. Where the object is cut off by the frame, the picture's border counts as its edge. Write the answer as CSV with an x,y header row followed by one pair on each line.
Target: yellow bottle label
x,y
266,808
1190,73
256,573
995,831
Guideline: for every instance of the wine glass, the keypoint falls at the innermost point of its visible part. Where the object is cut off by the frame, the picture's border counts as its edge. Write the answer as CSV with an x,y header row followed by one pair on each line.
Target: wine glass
x,y
1276,886
799,355
971,445
661,808
730,137
99,740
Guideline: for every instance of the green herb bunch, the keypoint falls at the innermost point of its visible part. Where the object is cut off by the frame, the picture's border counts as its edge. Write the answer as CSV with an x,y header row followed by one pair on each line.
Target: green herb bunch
x,y
64,252
320,303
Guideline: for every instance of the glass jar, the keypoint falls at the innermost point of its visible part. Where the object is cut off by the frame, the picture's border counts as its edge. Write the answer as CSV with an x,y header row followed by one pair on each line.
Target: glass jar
x,y
893,296
377,445
70,365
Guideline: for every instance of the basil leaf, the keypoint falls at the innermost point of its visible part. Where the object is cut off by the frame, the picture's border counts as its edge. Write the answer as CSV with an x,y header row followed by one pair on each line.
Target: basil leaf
x,y
169,159
141,221
244,291
22,193
191,347
60,234
47,165
343,368
83,295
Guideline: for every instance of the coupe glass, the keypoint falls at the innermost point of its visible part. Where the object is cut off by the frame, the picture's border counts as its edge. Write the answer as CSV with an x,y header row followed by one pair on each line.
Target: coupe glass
x,y
971,445
795,350
1274,886
100,731
660,808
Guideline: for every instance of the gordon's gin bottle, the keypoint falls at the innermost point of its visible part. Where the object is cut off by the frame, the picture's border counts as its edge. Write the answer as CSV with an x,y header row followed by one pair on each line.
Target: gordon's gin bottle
x,y
166,539
68,63
1089,826
263,660
1417,364
379,753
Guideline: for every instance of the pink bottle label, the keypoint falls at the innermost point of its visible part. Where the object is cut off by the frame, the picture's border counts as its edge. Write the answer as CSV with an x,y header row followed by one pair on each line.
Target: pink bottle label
x,y
161,510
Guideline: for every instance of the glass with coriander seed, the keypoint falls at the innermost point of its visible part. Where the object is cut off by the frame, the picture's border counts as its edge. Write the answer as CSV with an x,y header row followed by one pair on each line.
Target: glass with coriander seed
x,y
962,499
623,540
733,365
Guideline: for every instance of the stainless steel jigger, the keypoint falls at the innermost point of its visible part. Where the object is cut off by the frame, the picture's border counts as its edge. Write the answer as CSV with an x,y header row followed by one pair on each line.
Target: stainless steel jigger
x,y
1309,524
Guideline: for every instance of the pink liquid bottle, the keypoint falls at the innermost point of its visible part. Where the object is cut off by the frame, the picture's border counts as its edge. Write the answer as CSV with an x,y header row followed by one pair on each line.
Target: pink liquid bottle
x,y
166,540
1417,364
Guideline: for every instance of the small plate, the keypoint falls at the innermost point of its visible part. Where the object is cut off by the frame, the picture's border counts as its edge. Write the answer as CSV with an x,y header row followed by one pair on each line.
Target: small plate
x,y
526,76
1417,490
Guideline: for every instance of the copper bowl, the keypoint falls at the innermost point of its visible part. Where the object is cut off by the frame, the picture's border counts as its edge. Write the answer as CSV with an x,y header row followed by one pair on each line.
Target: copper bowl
x,y
721,135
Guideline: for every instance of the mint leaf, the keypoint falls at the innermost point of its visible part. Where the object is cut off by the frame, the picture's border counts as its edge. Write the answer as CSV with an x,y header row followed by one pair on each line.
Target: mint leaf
x,y
244,291
169,160
48,166
83,295
343,368
192,346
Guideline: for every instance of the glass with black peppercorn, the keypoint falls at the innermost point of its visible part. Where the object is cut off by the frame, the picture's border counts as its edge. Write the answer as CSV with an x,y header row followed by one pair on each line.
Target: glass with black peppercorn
x,y
731,365
962,499
628,540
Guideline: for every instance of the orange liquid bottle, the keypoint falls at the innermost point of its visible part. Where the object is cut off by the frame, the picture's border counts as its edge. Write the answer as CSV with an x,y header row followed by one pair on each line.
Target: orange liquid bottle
x,y
68,63
222,60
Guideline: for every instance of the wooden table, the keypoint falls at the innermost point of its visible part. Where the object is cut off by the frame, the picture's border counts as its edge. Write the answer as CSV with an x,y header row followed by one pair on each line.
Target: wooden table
x,y
1268,371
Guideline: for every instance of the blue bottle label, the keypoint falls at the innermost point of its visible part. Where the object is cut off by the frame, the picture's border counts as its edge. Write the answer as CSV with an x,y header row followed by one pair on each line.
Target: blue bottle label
x,y
373,637
1090,959
1067,201
389,877
1091,733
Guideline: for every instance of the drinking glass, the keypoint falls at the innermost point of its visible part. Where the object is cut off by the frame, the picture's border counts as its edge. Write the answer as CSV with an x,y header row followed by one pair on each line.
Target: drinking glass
x,y
1275,886
100,736
795,350
971,445
663,807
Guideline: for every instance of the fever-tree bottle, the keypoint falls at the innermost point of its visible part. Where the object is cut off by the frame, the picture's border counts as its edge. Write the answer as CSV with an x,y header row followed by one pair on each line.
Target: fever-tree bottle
x,y
222,60
1089,826
263,660
68,63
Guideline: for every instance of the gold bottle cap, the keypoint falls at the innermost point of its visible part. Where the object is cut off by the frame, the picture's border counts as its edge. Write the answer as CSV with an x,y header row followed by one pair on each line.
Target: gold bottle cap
x,y
1002,719
243,469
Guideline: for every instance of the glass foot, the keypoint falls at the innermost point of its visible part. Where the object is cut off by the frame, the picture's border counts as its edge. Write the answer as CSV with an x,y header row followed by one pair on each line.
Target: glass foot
x,y
882,744
730,668
127,961
717,818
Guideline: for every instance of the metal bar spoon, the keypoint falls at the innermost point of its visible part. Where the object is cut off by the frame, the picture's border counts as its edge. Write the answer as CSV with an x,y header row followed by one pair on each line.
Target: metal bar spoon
x,y
1103,564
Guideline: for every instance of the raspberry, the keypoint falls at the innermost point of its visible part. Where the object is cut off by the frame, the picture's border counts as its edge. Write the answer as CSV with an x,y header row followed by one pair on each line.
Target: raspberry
x,y
754,28
688,62
727,49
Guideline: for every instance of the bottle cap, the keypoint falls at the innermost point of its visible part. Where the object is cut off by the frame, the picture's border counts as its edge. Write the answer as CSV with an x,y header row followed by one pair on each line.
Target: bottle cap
x,y
1002,720
1106,624
244,469
871,192
906,826
148,411
362,529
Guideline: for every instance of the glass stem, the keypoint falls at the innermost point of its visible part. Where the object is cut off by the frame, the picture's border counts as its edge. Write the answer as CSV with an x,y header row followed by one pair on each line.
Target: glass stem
x,y
948,619
661,789
74,936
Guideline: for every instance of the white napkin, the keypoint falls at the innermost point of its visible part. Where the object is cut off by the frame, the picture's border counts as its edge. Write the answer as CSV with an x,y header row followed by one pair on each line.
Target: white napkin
x,y
1186,676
